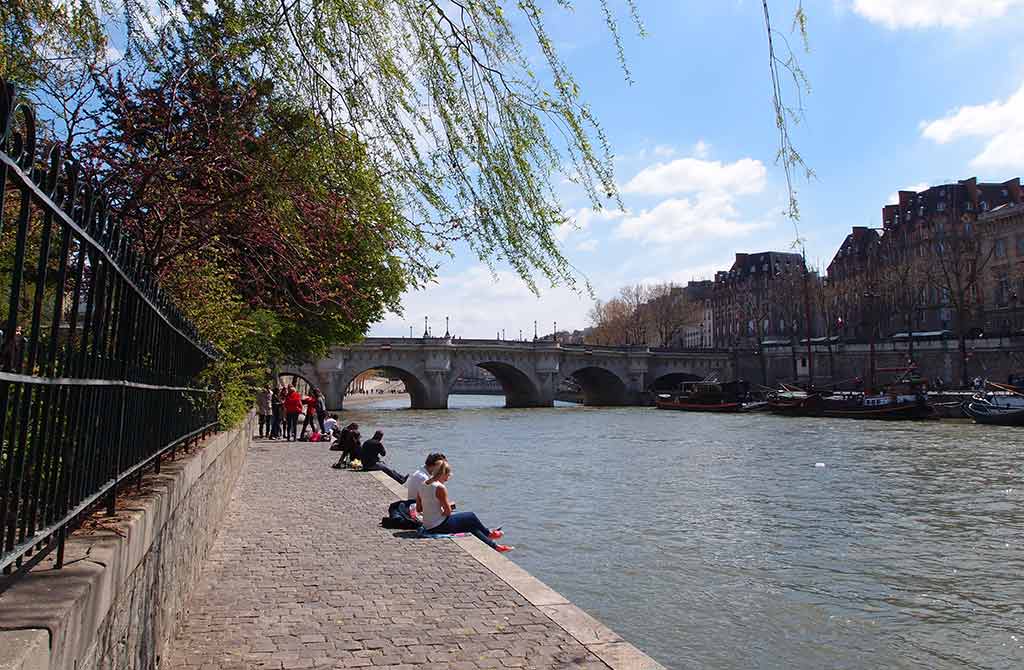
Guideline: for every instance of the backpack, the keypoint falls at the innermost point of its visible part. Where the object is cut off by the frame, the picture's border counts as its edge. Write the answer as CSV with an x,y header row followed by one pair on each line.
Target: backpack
x,y
315,437
399,517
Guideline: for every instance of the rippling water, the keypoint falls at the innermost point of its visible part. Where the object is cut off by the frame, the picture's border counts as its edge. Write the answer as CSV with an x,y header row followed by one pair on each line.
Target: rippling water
x,y
717,541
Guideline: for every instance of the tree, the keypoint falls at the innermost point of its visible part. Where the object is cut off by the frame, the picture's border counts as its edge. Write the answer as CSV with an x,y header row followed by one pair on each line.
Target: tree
x,y
960,260
669,312
610,322
466,134
788,288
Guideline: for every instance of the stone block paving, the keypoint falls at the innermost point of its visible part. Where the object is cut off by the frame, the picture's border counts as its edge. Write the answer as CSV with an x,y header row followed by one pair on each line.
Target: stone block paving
x,y
302,576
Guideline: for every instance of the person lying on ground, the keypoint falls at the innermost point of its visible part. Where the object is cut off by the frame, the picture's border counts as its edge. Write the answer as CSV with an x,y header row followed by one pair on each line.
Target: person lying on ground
x,y
370,453
439,516
418,478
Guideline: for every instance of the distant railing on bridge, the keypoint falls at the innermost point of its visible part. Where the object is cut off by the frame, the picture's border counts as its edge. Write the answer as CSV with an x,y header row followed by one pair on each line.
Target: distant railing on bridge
x,y
96,364
543,343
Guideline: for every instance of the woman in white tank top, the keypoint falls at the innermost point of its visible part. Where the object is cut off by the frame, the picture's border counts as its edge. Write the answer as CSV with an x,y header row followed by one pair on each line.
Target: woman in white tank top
x,y
438,516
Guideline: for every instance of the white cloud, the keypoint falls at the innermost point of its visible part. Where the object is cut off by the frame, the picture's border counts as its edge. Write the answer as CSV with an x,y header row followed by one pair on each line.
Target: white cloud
x,y
896,14
664,151
480,304
693,175
587,246
894,197
1001,123
705,216
709,208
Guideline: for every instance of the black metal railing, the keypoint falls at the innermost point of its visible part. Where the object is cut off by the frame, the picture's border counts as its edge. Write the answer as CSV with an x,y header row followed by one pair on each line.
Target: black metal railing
x,y
96,365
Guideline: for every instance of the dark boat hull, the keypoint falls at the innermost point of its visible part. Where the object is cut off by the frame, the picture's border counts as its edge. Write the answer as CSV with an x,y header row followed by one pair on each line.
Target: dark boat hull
x,y
817,407
698,407
981,414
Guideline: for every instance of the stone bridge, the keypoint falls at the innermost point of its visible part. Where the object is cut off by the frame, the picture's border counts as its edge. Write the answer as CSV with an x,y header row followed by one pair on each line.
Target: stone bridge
x,y
529,372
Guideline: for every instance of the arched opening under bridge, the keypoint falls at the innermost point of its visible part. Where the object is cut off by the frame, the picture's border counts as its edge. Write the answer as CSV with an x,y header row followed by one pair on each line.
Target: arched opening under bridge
x,y
382,382
499,378
671,382
301,383
599,386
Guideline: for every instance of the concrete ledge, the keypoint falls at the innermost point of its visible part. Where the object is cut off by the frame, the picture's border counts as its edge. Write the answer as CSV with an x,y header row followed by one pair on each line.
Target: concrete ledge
x,y
600,640
24,649
118,597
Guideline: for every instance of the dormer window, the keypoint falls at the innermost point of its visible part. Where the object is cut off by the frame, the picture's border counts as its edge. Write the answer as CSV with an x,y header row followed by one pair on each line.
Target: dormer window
x,y
984,205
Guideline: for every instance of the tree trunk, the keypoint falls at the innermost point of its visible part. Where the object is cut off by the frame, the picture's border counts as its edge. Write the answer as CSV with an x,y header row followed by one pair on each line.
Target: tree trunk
x,y
963,360
764,362
910,336
796,373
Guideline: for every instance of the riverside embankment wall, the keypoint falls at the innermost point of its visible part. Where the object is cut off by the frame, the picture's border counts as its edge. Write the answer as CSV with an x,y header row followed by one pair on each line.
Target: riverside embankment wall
x,y
118,600
993,358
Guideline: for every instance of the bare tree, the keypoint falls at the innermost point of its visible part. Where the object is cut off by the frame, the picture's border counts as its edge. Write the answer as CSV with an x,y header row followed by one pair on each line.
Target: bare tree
x,y
634,298
669,312
960,258
609,321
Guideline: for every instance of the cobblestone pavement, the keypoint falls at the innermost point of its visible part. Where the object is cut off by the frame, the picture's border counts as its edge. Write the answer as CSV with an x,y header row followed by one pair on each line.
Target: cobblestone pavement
x,y
302,576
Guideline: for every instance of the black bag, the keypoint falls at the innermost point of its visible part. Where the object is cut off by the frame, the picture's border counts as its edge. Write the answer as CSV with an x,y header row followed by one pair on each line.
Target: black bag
x,y
399,517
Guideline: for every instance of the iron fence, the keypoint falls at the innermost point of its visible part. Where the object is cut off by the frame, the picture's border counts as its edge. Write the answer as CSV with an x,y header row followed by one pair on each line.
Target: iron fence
x,y
96,365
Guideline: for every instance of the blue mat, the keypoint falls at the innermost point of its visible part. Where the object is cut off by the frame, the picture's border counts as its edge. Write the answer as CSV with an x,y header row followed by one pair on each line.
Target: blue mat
x,y
427,535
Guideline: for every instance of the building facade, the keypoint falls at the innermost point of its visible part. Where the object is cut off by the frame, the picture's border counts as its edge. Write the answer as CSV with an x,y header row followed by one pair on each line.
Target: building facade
x,y
758,299
1002,229
698,330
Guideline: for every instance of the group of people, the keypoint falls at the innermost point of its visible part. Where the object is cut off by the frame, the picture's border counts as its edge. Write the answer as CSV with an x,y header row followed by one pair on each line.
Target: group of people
x,y
368,453
279,411
428,500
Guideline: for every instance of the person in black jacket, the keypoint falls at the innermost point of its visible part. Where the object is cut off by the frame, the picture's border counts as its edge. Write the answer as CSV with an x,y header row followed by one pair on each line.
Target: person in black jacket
x,y
349,442
370,454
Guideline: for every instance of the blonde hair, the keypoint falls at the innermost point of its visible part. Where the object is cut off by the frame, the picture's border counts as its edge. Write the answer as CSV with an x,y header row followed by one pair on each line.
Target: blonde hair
x,y
441,468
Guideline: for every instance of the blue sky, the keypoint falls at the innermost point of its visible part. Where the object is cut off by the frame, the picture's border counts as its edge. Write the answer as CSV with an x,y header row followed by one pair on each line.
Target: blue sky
x,y
906,93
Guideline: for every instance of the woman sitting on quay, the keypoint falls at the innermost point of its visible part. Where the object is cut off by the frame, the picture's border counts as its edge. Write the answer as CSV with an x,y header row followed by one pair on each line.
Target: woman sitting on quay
x,y
438,517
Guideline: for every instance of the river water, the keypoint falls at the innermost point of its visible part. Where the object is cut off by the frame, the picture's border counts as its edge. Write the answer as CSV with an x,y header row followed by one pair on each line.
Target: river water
x,y
749,541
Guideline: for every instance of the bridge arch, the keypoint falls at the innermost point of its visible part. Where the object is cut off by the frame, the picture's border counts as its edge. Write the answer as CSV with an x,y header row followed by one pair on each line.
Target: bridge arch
x,y
520,386
671,381
419,394
600,386
292,377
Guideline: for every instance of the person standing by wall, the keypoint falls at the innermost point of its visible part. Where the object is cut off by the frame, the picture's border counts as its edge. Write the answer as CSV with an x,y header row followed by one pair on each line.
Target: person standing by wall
x,y
277,408
310,402
264,408
321,409
292,409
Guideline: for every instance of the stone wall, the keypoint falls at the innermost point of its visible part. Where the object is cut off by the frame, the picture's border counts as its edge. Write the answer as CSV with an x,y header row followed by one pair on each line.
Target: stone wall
x,y
992,358
119,598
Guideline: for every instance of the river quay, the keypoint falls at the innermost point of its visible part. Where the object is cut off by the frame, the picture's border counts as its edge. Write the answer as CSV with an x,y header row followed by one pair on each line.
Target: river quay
x,y
302,576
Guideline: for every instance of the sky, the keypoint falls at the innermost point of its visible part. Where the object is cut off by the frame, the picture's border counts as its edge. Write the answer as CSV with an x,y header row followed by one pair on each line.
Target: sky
x,y
905,94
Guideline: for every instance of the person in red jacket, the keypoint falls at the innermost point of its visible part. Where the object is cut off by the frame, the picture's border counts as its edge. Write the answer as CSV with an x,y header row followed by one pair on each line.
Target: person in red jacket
x,y
292,409
311,401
